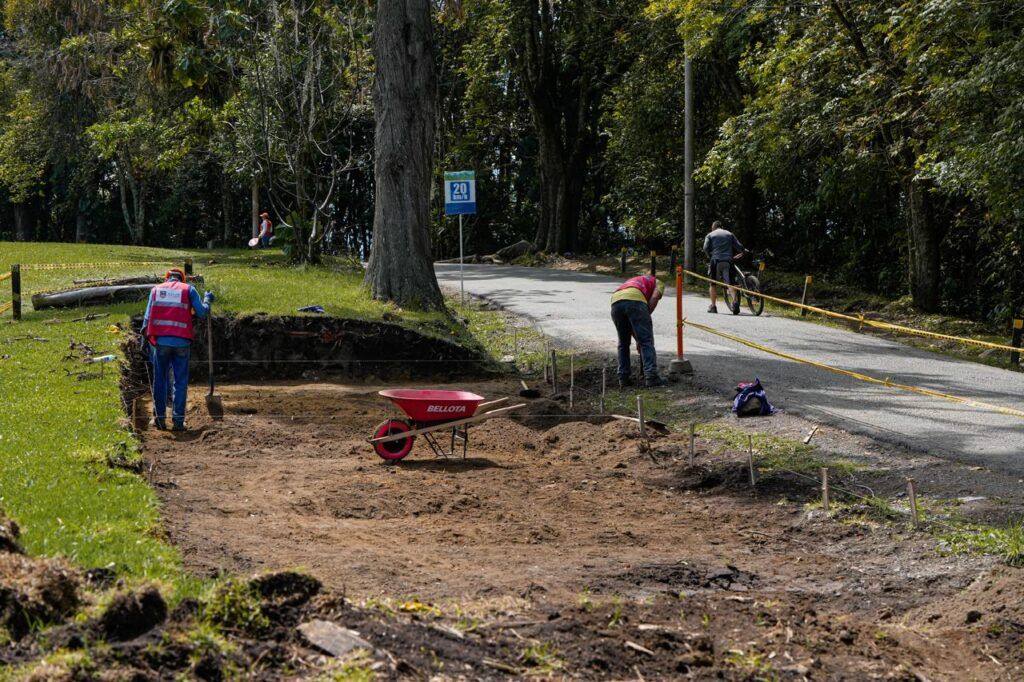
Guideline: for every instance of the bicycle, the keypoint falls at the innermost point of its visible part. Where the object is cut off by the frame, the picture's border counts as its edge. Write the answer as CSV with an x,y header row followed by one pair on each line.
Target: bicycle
x,y
750,283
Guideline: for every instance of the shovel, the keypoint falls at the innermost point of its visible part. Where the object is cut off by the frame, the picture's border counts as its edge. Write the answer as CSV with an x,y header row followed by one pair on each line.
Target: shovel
x,y
528,392
214,405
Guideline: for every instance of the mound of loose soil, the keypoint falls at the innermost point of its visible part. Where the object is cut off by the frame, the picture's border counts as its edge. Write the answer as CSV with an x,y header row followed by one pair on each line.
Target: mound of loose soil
x,y
607,558
33,592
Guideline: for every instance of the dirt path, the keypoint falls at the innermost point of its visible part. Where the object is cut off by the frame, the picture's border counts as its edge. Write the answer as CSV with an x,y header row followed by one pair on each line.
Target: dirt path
x,y
574,519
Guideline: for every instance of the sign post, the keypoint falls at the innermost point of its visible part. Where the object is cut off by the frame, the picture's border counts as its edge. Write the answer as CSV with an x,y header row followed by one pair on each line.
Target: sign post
x,y
460,200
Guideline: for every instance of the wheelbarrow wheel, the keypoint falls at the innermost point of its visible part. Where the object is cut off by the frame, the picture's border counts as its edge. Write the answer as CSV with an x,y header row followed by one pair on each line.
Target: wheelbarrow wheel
x,y
393,450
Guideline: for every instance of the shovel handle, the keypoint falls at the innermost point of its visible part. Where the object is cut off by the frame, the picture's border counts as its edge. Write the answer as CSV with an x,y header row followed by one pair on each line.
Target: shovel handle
x,y
209,347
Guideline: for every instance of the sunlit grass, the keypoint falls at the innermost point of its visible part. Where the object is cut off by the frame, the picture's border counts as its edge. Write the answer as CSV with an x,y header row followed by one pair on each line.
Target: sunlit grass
x,y
56,430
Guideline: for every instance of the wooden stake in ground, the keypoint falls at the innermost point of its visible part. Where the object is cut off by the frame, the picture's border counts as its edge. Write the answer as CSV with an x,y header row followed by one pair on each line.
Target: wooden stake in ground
x,y
554,372
912,494
640,416
572,378
750,460
545,364
693,437
604,387
824,489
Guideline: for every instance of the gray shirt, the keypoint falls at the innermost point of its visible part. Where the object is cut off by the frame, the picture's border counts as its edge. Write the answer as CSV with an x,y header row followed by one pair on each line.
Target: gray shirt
x,y
722,245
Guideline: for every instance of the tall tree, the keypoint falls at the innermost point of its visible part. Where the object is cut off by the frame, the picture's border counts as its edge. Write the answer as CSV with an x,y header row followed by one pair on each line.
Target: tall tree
x,y
405,96
567,56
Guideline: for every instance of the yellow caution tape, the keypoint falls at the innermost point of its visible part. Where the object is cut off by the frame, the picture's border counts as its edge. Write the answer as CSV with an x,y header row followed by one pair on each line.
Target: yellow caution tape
x,y
5,307
92,266
6,275
887,382
860,320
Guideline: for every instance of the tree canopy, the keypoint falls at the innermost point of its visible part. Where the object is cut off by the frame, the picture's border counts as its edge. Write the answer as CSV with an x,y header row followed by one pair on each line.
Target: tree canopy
x,y
881,142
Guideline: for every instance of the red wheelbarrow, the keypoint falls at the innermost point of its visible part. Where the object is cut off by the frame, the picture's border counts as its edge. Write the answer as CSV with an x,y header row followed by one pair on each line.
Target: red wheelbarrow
x,y
429,413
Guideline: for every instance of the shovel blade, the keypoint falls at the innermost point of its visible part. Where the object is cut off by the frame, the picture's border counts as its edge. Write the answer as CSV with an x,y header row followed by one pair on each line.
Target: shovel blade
x,y
215,406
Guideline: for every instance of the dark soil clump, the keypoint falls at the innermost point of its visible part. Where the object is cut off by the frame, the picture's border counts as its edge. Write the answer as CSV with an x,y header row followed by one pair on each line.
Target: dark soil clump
x,y
132,614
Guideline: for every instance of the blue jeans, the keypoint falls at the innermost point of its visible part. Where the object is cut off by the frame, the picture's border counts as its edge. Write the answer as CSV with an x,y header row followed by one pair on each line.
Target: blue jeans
x,y
265,241
168,359
633,318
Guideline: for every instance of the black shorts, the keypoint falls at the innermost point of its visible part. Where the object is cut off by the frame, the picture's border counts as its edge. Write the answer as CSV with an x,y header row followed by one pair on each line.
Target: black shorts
x,y
721,271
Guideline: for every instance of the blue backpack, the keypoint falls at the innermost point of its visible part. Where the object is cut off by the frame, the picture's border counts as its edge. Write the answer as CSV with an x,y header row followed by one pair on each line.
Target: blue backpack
x,y
751,400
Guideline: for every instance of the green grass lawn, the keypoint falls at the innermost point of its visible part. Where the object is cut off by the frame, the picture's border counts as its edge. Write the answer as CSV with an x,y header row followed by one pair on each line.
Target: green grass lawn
x,y
56,431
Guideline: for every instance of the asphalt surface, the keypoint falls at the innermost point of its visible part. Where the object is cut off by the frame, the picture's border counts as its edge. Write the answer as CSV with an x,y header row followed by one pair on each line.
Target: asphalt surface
x,y
573,308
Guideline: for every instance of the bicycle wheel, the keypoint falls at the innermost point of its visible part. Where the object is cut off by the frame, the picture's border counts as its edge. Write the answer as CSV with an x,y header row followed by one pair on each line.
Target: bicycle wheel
x,y
732,299
755,303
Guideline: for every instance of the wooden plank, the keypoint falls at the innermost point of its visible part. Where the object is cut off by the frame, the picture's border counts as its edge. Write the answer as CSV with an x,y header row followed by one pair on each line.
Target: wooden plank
x,y
445,425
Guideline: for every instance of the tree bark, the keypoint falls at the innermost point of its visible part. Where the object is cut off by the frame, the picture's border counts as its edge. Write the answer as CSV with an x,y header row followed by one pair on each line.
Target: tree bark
x,y
23,222
255,206
925,248
225,207
563,106
135,212
401,267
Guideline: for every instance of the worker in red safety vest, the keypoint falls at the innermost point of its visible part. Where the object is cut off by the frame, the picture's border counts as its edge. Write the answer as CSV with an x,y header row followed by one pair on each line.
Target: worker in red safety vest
x,y
169,329
632,305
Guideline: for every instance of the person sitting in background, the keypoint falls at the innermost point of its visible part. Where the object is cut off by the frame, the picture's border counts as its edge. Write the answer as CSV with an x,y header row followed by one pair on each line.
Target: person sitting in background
x,y
632,305
168,327
721,246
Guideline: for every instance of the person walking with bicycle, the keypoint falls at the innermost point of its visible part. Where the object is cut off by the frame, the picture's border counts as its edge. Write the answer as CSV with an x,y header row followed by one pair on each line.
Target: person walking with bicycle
x,y
721,247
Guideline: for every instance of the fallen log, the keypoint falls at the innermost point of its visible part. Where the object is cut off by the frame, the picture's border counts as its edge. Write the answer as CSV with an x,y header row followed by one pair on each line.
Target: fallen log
x,y
101,295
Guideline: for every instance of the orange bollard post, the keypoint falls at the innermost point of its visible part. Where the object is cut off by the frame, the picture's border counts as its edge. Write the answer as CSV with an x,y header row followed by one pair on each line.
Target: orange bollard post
x,y
679,313
680,365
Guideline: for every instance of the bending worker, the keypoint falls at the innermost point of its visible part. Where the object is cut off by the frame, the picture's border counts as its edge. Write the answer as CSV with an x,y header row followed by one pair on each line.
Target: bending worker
x,y
169,328
632,305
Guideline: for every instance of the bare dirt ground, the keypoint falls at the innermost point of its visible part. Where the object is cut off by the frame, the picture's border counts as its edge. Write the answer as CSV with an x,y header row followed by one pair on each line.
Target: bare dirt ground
x,y
567,542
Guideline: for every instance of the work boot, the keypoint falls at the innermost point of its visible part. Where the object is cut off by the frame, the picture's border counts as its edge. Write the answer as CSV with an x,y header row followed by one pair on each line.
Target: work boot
x,y
178,428
712,309
159,424
625,382
654,382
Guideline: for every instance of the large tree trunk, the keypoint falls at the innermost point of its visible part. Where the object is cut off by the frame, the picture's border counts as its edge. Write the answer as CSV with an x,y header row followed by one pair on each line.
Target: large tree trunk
x,y
925,242
564,112
24,226
225,209
255,206
401,268
132,207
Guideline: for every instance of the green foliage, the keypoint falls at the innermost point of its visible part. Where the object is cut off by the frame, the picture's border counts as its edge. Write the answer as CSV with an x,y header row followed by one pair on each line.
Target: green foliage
x,y
57,433
1006,543
235,605
851,138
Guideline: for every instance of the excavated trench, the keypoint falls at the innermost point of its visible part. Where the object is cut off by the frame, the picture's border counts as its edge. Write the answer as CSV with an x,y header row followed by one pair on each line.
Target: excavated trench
x,y
268,348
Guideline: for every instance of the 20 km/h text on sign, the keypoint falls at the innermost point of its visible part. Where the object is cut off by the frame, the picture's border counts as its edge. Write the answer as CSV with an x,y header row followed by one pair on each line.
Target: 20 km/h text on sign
x,y
460,193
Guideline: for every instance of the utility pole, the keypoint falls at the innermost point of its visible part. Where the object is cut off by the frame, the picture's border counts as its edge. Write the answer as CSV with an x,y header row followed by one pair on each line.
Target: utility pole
x,y
689,257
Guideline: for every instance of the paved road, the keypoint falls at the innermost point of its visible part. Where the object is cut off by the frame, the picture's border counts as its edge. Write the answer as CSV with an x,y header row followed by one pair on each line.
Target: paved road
x,y
573,308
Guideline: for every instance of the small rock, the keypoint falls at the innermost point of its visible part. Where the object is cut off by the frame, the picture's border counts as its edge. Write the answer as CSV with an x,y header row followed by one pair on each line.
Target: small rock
x,y
696,659
332,639
972,616
847,637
